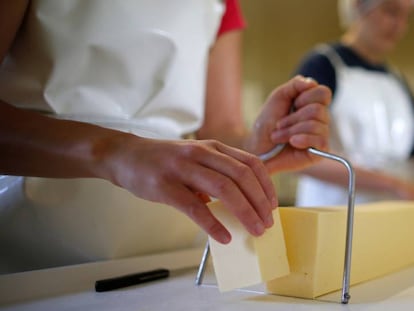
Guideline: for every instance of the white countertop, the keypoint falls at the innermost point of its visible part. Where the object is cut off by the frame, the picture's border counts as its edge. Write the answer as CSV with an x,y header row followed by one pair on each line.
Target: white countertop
x,y
178,292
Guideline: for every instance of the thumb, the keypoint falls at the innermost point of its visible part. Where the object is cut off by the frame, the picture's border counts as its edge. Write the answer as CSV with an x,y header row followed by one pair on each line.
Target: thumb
x,y
281,101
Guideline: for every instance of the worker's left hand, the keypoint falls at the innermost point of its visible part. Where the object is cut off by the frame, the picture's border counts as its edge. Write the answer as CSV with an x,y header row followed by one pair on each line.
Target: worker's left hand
x,y
306,126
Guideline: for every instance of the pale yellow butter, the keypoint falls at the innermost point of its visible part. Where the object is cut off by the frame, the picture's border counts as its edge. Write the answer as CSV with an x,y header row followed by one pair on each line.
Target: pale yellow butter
x,y
315,242
247,260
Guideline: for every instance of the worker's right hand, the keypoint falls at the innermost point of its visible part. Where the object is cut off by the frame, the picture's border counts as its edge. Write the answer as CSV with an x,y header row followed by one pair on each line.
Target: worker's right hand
x,y
176,172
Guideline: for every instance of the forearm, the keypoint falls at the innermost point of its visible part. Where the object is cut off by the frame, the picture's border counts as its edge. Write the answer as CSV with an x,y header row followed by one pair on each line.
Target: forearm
x,y
233,136
223,112
35,145
366,180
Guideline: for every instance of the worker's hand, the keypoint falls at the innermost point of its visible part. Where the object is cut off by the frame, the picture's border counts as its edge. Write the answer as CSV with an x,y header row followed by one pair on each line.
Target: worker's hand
x,y
307,126
176,172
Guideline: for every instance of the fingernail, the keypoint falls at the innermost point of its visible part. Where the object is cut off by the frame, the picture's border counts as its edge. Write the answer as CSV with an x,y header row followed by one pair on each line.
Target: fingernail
x,y
274,203
269,221
282,123
309,79
259,228
225,238
276,136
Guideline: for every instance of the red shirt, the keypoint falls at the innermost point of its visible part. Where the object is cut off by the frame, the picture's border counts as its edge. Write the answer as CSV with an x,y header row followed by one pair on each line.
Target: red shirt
x,y
233,17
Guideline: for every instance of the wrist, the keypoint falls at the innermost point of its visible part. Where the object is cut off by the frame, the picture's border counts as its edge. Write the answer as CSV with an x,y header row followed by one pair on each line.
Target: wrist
x,y
390,185
106,152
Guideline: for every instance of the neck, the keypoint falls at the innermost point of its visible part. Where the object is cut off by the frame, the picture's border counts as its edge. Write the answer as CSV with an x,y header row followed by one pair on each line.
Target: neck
x,y
362,48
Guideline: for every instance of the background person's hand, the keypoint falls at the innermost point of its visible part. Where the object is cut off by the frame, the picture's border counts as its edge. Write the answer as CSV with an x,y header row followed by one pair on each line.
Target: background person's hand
x,y
403,190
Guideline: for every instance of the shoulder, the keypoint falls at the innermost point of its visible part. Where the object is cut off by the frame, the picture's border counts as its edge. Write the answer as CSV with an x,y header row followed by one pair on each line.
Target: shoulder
x,y
233,18
314,61
316,64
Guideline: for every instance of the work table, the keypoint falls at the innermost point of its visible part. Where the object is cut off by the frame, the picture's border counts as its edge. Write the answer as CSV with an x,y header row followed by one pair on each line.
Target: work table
x,y
178,292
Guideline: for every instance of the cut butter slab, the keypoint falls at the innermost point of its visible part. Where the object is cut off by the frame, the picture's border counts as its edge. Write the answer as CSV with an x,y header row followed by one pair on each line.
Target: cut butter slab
x,y
315,242
247,260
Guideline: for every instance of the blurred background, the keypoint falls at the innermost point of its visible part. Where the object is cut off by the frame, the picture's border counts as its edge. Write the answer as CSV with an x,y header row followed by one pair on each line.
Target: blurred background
x,y
277,36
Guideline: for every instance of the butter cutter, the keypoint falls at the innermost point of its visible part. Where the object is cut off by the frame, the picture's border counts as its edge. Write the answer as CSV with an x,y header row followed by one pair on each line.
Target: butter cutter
x,y
345,296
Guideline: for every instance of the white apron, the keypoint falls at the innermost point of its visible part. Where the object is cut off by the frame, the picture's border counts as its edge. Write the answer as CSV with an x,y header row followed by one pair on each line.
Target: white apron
x,y
372,126
134,65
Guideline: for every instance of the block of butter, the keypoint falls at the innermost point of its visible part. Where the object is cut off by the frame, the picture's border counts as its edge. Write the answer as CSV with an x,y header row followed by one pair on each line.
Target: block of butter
x,y
247,260
315,242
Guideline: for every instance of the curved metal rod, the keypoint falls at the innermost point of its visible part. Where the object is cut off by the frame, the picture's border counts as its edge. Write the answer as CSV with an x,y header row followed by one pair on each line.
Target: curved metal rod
x,y
349,227
350,220
272,153
203,264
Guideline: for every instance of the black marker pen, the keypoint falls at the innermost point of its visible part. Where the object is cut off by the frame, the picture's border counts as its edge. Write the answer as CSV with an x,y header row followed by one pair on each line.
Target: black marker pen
x,y
130,279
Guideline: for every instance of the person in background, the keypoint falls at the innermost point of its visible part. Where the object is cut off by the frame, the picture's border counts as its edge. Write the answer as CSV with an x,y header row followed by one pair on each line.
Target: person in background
x,y
372,116
96,98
